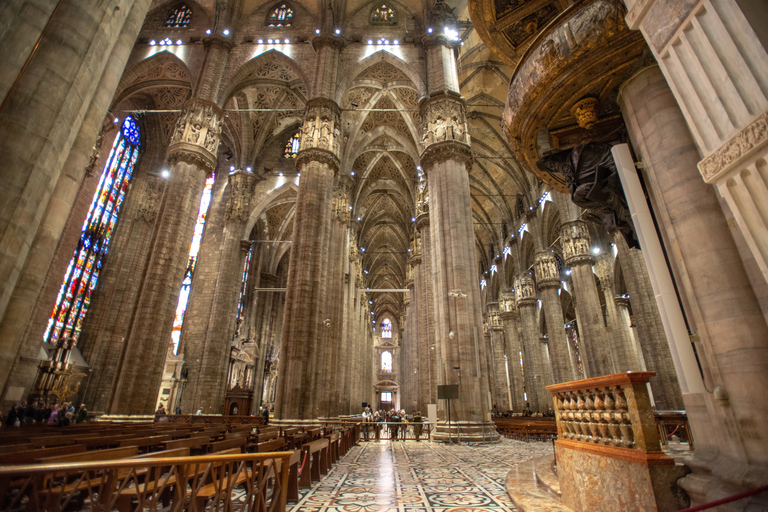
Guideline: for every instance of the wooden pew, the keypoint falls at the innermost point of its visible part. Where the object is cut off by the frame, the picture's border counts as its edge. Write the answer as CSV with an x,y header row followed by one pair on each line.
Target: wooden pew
x,y
236,442
317,463
273,445
32,456
145,442
333,447
193,443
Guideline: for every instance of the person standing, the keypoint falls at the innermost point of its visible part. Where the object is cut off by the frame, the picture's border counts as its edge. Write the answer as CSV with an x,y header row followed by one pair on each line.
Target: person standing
x,y
266,415
418,425
394,424
367,419
82,414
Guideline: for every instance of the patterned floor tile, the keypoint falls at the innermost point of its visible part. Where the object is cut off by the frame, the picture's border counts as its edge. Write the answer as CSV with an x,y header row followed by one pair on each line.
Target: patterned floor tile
x,y
419,477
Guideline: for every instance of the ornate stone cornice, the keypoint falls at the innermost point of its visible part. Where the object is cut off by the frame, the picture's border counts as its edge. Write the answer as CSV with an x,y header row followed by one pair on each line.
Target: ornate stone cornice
x,y
218,40
323,104
192,154
581,259
422,221
438,39
738,148
529,301
444,118
507,316
305,156
621,301
332,40
447,150
576,243
415,260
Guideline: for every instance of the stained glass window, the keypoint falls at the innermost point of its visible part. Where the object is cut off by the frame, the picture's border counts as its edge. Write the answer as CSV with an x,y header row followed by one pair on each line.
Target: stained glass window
x,y
386,328
243,285
386,361
292,146
186,283
281,16
179,17
383,14
74,297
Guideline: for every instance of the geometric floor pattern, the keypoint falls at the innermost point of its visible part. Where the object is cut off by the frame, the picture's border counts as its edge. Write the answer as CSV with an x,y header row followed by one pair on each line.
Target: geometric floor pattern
x,y
410,476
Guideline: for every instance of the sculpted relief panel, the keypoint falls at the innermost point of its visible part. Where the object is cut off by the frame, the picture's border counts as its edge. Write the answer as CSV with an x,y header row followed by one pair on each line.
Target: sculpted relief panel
x,y
444,120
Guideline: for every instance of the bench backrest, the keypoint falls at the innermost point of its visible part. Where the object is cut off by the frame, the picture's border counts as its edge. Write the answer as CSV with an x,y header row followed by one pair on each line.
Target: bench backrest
x,y
30,456
237,442
191,442
109,454
315,446
273,445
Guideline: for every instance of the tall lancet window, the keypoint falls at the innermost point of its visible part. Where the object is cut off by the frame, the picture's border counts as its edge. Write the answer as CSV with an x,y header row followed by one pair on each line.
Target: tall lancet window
x,y
186,284
281,16
80,279
243,287
386,361
179,17
386,328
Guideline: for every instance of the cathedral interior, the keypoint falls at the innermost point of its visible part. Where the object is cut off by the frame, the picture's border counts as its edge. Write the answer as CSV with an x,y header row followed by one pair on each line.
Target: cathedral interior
x,y
316,205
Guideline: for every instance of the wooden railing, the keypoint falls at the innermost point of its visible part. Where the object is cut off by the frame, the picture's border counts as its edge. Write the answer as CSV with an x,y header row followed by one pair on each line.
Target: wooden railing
x,y
613,410
172,483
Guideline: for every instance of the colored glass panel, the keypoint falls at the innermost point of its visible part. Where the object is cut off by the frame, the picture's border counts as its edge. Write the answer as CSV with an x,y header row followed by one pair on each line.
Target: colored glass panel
x,y
386,328
179,17
386,361
66,320
292,147
194,248
281,16
383,14
243,286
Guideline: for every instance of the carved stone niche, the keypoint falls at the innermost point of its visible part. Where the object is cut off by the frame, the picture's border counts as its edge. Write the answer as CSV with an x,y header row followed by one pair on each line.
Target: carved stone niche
x,y
322,126
547,273
197,133
576,243
524,289
567,80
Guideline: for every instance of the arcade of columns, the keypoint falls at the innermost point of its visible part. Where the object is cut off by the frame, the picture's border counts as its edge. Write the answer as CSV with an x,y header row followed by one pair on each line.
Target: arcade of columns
x,y
560,299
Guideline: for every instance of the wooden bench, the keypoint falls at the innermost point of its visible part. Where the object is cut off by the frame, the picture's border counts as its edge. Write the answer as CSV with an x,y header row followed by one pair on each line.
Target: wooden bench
x,y
273,445
193,443
236,442
31,456
145,442
333,447
317,463
224,482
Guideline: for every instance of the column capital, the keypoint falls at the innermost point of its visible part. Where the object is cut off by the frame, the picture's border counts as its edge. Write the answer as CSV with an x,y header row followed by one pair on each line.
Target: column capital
x,y
245,245
576,243
321,131
525,293
196,137
547,275
444,118
422,221
240,190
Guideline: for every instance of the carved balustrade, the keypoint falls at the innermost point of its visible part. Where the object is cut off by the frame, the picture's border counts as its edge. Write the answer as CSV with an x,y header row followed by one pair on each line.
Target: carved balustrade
x,y
613,410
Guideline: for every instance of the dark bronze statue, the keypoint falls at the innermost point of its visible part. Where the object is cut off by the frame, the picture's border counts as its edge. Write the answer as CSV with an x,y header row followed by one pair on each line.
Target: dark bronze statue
x,y
590,174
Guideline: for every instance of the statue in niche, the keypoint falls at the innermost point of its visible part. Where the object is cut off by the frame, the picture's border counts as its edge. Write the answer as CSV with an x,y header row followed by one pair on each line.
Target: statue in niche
x,y
590,174
193,135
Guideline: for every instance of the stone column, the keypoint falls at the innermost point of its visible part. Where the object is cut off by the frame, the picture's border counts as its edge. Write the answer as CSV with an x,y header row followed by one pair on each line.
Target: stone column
x,y
446,160
650,331
496,342
730,323
548,281
318,163
512,350
423,289
206,350
534,370
617,328
192,157
713,55
596,352
44,162
327,372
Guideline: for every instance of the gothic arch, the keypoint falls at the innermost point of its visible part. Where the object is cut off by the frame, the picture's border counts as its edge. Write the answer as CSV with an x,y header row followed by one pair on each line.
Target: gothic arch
x,y
347,82
163,69
257,70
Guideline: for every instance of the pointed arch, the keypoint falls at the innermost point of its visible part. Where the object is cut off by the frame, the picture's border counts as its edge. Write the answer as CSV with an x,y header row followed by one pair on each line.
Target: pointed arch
x,y
377,57
257,70
161,69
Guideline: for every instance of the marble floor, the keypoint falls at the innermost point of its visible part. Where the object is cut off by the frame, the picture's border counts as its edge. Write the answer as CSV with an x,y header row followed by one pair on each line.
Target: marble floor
x,y
407,476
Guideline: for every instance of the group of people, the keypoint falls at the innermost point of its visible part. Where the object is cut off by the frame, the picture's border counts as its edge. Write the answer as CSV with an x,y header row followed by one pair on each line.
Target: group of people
x,y
549,413
38,413
397,421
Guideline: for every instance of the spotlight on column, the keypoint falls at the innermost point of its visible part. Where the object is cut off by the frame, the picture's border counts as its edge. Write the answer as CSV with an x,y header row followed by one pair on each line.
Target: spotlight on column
x,y
248,169
317,31
595,250
568,272
337,31
208,31
261,41
152,43
429,30
226,31
413,219
352,173
165,173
